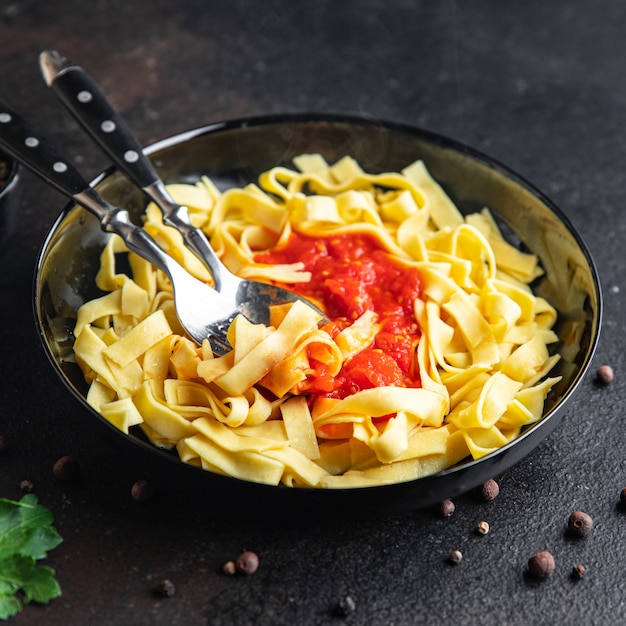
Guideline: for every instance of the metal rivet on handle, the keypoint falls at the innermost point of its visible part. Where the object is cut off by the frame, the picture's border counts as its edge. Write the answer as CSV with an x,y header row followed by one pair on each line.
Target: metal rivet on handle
x,y
31,142
84,96
59,167
130,156
108,126
5,118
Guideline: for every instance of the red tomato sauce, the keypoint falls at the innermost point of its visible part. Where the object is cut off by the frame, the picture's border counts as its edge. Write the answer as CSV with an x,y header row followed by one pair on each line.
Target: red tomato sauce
x,y
350,274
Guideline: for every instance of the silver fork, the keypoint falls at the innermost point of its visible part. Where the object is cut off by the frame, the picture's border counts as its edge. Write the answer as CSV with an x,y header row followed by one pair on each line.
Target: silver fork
x,y
204,312
86,102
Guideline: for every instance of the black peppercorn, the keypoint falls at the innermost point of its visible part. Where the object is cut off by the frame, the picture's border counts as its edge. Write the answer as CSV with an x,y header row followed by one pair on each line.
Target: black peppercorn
x,y
489,490
605,374
142,490
447,508
165,589
579,524
541,564
66,469
247,562
344,607
578,571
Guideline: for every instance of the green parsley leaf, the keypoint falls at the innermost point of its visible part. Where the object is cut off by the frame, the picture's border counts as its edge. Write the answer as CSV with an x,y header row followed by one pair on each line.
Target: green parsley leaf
x,y
26,535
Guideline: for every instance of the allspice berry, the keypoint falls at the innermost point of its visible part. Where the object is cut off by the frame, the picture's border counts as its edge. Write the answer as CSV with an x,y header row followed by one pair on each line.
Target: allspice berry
x,y
455,557
66,469
605,374
247,562
344,607
446,508
142,490
579,524
165,589
26,486
541,564
489,490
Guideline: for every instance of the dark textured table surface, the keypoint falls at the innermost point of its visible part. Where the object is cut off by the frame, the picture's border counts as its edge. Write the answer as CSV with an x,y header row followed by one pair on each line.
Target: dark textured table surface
x,y
541,86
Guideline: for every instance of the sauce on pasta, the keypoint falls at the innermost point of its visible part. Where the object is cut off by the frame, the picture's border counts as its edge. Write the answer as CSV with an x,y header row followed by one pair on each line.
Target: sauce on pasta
x,y
352,273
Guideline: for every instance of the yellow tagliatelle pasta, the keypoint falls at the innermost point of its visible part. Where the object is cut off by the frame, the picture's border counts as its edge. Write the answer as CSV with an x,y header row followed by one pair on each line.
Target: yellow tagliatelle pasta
x,y
280,407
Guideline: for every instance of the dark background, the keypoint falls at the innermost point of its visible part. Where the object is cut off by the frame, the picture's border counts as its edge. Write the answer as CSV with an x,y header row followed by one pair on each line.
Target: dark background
x,y
540,86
